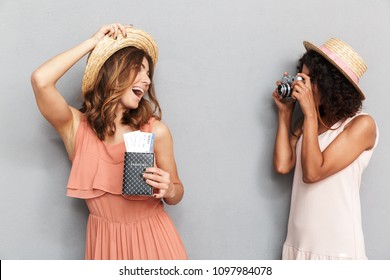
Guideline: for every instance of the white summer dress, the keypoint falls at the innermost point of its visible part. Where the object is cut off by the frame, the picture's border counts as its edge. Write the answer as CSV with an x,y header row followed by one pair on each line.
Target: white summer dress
x,y
325,217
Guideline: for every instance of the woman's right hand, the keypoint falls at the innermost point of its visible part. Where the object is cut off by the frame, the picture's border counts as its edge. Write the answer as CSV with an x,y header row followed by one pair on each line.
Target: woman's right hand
x,y
283,105
111,30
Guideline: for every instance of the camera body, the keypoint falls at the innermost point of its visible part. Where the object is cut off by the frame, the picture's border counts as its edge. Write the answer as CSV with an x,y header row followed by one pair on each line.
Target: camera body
x,y
285,88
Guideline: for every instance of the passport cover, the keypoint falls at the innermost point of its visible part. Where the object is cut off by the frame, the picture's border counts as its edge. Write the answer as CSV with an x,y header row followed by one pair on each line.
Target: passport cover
x,y
134,167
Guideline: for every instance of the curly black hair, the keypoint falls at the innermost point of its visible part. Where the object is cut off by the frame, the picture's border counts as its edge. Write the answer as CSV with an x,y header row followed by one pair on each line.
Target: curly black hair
x,y
338,97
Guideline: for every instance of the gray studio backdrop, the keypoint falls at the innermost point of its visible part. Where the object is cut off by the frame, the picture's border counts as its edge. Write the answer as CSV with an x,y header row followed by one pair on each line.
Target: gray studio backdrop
x,y
218,64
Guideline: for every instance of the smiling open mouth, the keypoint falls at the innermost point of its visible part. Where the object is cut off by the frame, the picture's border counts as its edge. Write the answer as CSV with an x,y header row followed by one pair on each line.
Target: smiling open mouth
x,y
138,90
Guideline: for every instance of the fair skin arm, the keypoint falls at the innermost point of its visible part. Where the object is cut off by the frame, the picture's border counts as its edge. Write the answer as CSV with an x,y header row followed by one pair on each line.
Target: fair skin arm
x,y
64,118
358,136
165,178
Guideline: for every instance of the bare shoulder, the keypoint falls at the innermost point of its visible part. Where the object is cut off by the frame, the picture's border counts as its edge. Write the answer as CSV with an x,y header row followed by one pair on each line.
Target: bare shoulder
x,y
363,123
161,130
363,128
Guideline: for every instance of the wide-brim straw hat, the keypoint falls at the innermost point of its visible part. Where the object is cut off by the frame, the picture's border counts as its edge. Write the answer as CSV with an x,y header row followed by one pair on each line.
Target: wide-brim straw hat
x,y
344,58
108,46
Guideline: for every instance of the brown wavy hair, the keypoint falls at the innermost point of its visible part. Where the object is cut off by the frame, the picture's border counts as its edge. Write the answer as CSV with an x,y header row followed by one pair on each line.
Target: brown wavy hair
x,y
101,101
339,99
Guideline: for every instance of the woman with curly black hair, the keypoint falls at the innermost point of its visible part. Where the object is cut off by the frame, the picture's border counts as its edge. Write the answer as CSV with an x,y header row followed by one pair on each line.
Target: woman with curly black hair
x,y
329,150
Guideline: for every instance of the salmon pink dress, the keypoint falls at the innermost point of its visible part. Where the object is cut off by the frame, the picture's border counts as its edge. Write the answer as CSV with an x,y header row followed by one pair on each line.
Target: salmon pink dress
x,y
118,227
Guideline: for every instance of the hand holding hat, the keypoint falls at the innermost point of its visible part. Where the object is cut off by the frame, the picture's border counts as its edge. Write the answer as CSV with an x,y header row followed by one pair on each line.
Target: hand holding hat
x,y
110,30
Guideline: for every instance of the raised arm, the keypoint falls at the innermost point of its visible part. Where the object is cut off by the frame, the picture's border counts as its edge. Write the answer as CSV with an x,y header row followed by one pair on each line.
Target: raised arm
x,y
358,136
51,103
285,142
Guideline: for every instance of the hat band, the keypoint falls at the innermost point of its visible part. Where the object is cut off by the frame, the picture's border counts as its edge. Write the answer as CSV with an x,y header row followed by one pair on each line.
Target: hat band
x,y
340,63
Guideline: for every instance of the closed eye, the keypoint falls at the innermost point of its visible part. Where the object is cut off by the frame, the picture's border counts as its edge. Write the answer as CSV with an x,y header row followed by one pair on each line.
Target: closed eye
x,y
143,67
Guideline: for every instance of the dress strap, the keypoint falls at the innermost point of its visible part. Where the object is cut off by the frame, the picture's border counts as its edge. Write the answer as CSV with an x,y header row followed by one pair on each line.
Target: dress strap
x,y
148,127
347,121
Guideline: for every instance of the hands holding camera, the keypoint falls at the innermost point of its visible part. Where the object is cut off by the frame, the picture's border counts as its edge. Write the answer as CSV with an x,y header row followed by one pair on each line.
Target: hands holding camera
x,y
299,88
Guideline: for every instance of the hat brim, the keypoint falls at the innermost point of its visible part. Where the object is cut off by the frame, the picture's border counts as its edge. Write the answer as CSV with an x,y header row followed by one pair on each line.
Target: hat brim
x,y
108,46
310,46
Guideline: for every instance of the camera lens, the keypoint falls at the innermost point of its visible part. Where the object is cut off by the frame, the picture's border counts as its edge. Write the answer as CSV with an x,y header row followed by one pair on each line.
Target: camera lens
x,y
284,90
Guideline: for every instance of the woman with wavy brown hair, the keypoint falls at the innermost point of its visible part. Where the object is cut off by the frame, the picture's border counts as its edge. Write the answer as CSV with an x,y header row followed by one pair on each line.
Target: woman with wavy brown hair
x,y
119,97
329,150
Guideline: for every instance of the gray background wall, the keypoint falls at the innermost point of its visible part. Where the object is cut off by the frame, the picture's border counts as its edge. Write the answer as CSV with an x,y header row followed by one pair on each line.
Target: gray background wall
x,y
218,64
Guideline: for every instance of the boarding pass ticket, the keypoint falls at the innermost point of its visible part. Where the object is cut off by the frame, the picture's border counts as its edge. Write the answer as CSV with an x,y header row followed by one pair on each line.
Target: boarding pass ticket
x,y
139,142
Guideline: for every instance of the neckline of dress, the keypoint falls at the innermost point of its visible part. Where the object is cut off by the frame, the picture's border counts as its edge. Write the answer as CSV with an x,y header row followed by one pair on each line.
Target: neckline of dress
x,y
334,127
113,145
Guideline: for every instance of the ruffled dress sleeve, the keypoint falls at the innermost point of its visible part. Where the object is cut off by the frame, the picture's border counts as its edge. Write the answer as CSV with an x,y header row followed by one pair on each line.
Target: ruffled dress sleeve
x,y
97,167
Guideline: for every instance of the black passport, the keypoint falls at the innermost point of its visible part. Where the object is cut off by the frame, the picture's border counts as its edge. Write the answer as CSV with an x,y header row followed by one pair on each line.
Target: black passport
x,y
134,167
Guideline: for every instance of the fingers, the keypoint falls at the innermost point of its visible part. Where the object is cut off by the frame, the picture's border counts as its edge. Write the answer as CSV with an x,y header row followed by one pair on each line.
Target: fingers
x,y
155,177
114,29
302,87
122,30
276,95
155,170
110,30
305,77
299,91
159,180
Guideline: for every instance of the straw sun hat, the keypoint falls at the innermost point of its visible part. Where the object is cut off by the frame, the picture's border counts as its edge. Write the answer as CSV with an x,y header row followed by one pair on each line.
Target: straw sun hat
x,y
344,58
108,46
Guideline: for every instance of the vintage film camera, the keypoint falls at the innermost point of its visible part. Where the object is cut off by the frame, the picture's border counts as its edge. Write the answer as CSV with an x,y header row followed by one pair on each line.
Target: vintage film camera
x,y
285,88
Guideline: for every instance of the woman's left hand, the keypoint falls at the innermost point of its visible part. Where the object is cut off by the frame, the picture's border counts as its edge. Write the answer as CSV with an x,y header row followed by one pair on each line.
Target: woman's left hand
x,y
303,93
160,181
